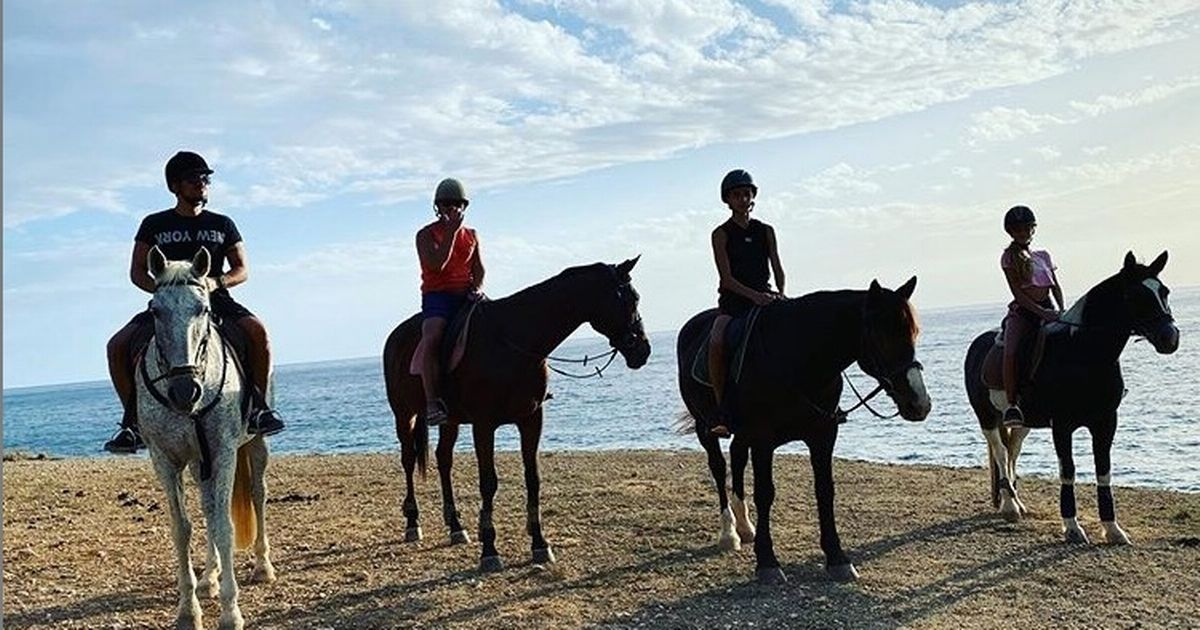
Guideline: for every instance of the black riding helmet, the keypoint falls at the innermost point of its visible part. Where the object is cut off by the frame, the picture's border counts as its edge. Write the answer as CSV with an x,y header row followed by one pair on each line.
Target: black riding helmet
x,y
737,178
184,164
1018,215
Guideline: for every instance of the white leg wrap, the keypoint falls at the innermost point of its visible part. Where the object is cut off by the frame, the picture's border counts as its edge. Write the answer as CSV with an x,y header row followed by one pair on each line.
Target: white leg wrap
x,y
728,540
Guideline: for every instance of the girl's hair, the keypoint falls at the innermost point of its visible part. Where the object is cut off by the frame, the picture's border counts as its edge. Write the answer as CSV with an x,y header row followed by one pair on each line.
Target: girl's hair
x,y
1021,260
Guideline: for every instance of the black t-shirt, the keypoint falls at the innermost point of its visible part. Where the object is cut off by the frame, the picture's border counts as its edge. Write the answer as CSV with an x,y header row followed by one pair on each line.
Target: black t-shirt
x,y
748,253
180,237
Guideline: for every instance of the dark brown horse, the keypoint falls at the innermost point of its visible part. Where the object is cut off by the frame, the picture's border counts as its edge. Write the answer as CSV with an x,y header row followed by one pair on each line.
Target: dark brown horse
x,y
789,388
502,380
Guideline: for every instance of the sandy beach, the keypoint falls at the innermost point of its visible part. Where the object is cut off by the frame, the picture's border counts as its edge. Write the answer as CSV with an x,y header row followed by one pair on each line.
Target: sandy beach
x,y
87,545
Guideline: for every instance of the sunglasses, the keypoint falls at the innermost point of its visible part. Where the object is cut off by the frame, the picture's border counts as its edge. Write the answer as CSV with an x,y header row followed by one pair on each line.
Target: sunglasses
x,y
197,180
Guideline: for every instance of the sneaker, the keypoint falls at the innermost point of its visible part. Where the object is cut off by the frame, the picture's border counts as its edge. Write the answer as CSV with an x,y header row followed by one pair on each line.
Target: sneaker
x,y
720,431
127,441
436,414
1013,417
265,422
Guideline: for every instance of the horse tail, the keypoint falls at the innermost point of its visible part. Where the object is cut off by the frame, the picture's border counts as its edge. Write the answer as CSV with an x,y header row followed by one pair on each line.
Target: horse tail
x,y
245,521
684,424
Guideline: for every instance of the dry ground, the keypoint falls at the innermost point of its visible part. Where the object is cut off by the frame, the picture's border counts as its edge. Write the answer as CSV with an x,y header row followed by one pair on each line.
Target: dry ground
x,y
86,545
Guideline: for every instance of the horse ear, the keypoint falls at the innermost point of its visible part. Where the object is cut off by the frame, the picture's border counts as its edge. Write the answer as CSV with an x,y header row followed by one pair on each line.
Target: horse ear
x,y
156,262
1156,267
1130,260
874,291
906,290
624,268
201,263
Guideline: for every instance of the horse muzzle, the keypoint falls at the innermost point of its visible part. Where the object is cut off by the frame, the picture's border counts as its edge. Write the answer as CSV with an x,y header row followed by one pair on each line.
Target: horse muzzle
x,y
636,350
183,393
911,398
1164,337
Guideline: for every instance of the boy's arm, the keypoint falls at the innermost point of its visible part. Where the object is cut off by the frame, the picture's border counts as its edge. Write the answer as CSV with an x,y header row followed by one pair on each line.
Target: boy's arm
x,y
776,265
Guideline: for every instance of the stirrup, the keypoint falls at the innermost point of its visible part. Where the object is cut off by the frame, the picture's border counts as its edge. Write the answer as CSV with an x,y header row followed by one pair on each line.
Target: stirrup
x,y
126,441
438,416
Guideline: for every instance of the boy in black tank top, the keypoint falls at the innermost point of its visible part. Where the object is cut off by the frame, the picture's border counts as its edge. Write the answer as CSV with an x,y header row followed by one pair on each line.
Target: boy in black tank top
x,y
742,247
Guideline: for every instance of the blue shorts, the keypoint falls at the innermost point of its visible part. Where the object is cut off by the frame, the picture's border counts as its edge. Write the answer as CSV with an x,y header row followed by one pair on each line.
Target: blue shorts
x,y
441,304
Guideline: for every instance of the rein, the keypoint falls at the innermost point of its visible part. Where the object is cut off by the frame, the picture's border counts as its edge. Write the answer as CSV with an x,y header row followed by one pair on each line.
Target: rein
x,y
191,370
598,370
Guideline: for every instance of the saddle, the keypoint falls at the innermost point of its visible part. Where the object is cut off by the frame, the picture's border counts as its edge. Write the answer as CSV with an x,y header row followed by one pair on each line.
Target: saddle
x,y
1029,358
454,341
737,337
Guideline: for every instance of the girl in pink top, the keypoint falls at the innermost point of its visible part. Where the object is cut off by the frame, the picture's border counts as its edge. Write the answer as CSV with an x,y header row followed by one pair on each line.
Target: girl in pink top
x,y
1030,275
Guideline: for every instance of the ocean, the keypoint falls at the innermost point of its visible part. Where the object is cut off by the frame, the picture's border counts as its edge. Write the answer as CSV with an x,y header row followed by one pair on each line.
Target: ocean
x,y
340,407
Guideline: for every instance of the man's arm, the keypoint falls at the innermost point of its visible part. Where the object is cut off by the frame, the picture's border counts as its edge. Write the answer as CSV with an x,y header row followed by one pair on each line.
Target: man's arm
x,y
477,270
139,267
431,254
776,265
239,269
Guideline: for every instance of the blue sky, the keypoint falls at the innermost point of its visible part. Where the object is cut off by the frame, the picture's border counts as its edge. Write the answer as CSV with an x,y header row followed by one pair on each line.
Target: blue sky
x,y
887,137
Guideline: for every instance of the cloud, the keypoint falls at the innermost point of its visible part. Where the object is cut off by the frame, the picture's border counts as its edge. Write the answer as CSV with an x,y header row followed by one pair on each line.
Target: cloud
x,y
839,179
523,92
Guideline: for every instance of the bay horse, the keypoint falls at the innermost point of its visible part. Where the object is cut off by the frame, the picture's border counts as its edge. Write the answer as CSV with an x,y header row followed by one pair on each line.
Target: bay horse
x,y
502,379
1077,384
789,387
197,420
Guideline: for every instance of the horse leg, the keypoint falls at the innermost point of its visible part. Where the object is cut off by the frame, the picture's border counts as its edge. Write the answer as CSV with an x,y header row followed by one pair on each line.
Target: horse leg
x,y
215,496
1000,460
210,578
767,570
485,456
716,465
1016,439
447,436
263,570
1072,532
408,457
1102,439
189,615
837,564
531,434
739,454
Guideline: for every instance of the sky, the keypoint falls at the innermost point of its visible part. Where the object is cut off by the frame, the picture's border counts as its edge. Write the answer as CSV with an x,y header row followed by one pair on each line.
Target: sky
x,y
887,138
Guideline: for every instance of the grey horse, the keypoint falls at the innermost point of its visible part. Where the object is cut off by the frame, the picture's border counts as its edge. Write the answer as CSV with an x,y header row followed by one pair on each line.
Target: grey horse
x,y
189,391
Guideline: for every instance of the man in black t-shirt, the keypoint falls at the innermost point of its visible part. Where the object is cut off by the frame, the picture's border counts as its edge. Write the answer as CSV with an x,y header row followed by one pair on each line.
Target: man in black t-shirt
x,y
179,233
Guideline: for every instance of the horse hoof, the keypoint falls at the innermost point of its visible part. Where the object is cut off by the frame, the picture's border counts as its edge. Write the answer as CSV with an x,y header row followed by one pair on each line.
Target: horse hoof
x,y
1116,536
459,537
412,534
543,556
264,575
1011,515
770,576
1075,537
747,539
729,544
490,564
843,572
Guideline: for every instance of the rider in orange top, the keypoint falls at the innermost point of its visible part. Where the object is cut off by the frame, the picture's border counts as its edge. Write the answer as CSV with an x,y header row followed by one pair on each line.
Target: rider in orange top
x,y
451,274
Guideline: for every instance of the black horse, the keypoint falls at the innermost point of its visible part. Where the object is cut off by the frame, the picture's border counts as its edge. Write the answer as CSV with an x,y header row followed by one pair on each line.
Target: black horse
x,y
789,388
502,380
1077,384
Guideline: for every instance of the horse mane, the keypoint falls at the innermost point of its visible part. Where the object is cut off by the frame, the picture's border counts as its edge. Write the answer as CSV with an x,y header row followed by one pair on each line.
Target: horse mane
x,y
851,296
176,272
544,284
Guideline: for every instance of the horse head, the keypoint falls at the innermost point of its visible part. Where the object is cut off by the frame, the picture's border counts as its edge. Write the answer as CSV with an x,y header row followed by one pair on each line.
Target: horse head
x,y
1144,301
617,318
888,348
182,328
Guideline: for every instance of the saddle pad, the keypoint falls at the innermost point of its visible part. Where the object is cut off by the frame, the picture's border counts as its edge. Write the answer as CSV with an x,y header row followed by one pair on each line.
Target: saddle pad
x,y
1029,359
454,341
737,336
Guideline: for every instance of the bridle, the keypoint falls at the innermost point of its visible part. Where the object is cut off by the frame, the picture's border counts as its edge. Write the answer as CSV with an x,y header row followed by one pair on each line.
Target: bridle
x,y
194,369
625,342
